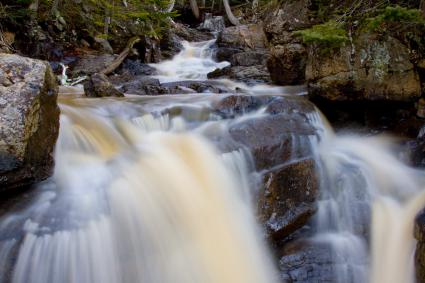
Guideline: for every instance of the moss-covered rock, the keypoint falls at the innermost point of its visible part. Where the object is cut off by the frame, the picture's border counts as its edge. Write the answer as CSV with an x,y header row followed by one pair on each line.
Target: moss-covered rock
x,y
371,68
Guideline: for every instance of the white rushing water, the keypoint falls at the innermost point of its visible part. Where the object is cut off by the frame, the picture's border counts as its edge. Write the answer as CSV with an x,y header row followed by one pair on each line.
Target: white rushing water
x,y
144,203
140,194
194,62
367,193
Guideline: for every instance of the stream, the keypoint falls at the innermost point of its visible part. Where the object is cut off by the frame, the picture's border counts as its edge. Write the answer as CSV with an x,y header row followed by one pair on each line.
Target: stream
x,y
156,189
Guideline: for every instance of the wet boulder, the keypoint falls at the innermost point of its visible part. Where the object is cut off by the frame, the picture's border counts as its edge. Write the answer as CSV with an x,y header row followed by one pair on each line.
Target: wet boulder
x,y
372,72
287,199
99,86
233,105
29,121
142,85
283,135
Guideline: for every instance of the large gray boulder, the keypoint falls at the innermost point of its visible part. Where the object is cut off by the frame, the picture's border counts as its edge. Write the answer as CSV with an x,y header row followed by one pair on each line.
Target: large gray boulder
x,y
29,121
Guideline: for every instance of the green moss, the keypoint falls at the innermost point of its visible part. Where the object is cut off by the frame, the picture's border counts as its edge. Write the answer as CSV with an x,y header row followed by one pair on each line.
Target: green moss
x,y
394,14
329,35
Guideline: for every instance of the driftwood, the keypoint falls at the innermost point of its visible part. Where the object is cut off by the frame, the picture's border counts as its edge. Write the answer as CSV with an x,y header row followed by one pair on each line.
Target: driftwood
x,y
117,62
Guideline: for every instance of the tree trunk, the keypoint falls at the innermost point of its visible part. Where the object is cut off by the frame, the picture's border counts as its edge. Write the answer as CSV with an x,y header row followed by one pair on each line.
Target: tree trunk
x,y
195,8
422,7
117,62
229,13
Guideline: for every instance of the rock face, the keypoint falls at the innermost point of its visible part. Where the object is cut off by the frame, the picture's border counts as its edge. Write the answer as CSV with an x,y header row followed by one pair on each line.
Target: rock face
x,y
288,57
371,69
29,121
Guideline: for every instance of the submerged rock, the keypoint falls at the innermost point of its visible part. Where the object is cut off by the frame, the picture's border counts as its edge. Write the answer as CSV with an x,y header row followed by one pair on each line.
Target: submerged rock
x,y
29,121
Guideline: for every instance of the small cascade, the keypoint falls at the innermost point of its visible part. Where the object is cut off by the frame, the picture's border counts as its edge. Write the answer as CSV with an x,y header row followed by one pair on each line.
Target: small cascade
x,y
194,62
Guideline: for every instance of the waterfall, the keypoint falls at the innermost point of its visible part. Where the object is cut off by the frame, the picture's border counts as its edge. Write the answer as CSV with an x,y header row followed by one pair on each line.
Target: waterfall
x,y
134,201
154,190
369,202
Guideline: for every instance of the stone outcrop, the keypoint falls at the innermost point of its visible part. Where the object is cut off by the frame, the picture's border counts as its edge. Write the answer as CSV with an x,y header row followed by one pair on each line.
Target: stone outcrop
x,y
371,69
29,121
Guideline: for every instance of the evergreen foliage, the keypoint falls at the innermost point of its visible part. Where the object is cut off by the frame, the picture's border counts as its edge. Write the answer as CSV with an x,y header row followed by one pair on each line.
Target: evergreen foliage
x,y
329,35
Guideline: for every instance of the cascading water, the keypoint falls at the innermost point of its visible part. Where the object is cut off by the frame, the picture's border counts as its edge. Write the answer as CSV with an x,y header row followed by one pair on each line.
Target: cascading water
x,y
194,62
367,193
141,194
138,202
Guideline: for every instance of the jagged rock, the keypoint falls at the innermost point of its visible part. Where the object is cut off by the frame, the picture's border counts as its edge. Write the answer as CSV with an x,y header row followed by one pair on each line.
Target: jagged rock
x,y
29,121
99,86
287,199
373,72
287,64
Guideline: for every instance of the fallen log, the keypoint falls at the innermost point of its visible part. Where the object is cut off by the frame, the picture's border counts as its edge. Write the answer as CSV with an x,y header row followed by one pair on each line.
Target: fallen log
x,y
118,61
